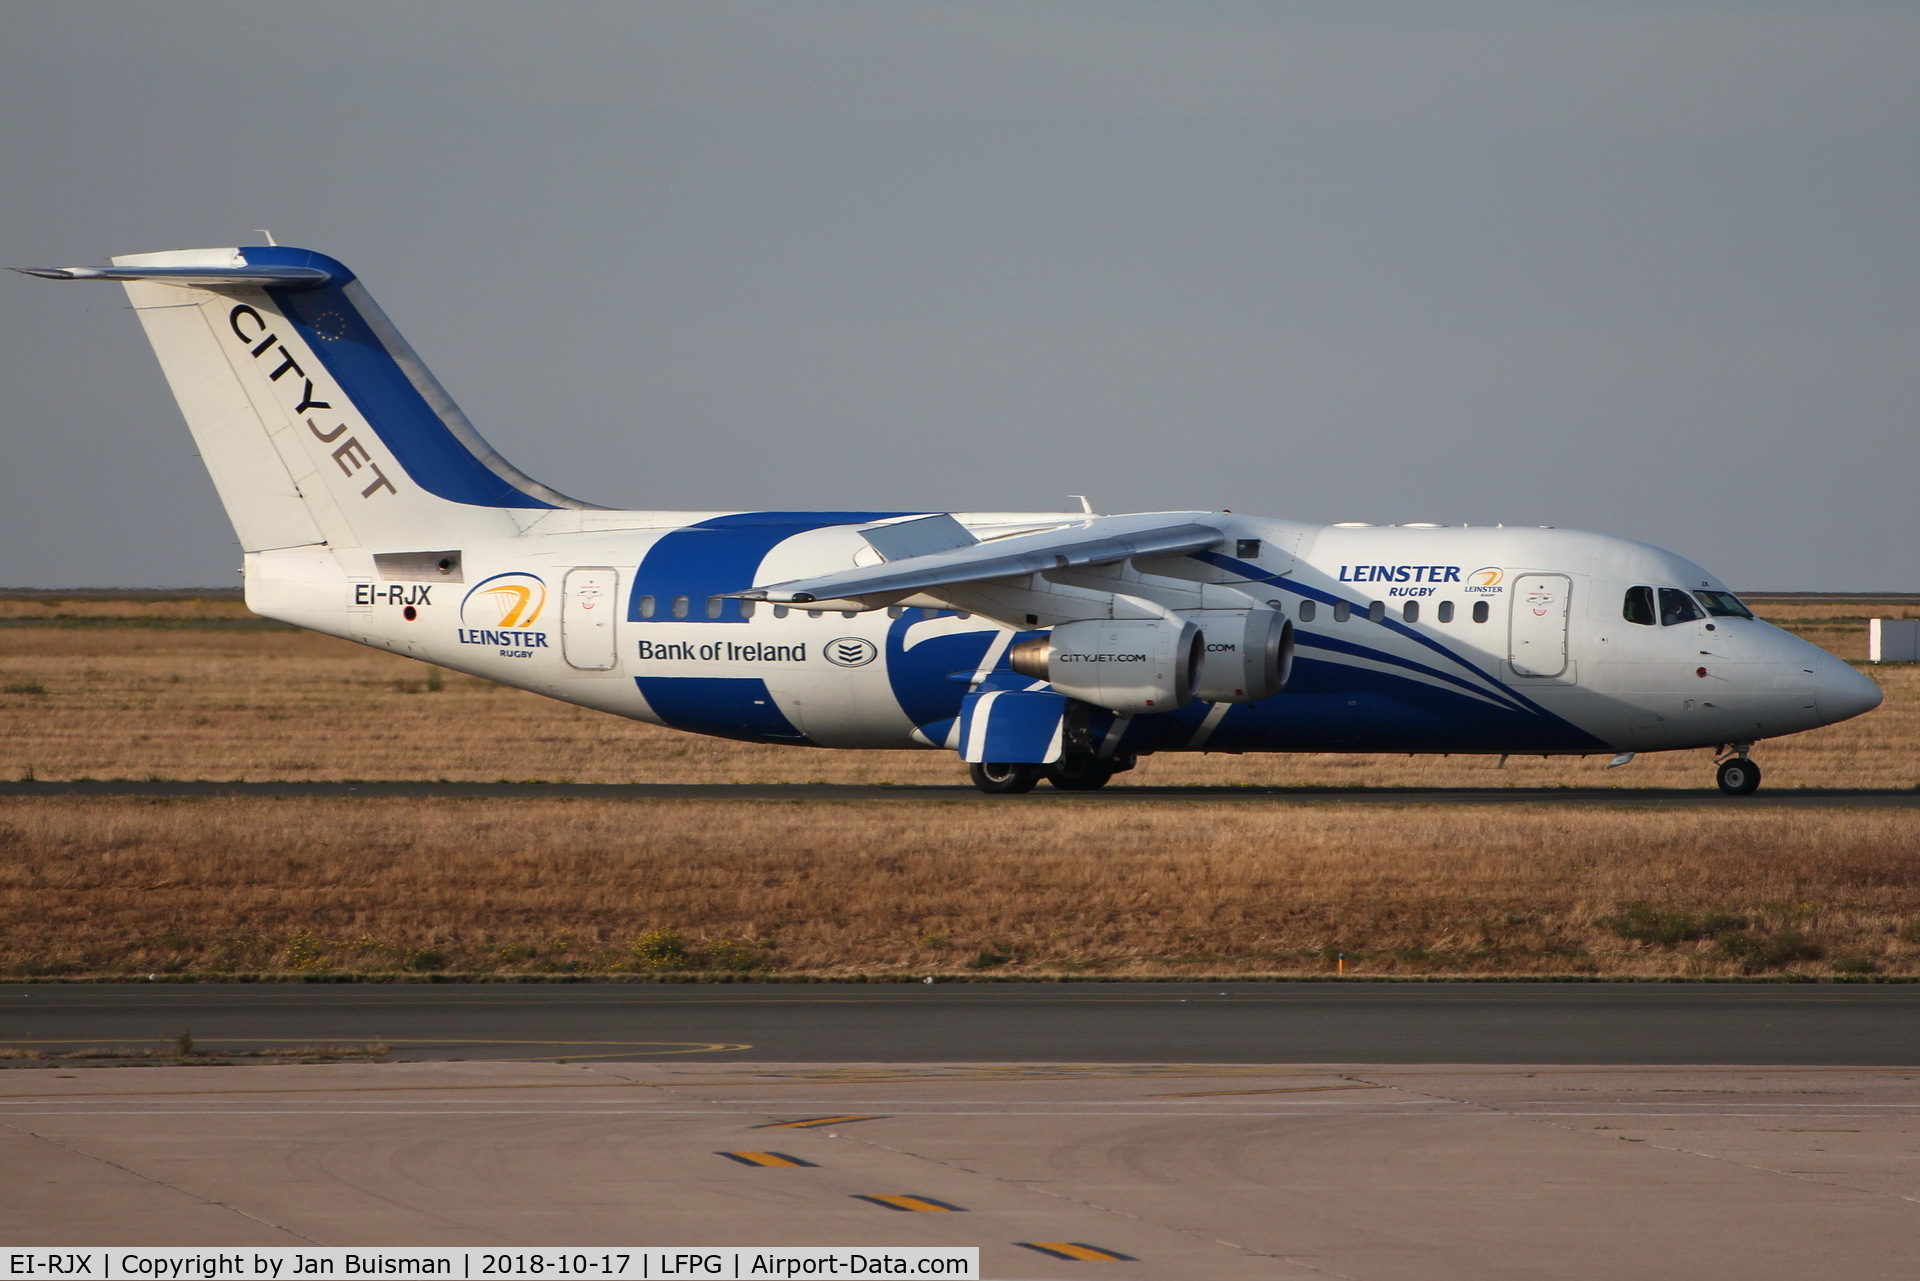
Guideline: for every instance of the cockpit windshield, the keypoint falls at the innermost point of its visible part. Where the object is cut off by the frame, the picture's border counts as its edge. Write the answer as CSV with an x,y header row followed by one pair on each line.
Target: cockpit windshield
x,y
1677,607
1723,604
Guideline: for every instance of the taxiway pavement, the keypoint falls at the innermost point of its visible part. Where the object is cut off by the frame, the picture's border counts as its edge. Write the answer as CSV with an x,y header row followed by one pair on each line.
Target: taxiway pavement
x,y
1159,1172
1851,1024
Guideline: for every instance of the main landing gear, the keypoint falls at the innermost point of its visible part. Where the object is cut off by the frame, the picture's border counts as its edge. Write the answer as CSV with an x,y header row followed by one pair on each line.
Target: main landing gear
x,y
1075,774
1739,776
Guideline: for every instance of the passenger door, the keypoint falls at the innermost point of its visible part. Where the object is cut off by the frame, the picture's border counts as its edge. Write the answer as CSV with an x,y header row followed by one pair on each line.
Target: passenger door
x,y
586,618
1537,625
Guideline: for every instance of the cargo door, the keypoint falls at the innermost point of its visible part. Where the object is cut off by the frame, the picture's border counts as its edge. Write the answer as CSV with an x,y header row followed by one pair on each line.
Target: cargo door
x,y
586,618
1537,626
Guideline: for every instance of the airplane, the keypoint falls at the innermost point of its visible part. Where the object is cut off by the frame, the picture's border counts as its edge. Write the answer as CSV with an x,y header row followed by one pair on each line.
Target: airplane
x,y
1058,646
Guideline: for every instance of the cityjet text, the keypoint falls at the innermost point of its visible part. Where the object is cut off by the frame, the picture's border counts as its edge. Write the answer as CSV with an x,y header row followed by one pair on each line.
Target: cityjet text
x,y
251,328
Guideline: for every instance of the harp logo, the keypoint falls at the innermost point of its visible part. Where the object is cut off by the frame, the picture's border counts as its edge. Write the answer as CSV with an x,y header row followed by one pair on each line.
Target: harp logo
x,y
501,611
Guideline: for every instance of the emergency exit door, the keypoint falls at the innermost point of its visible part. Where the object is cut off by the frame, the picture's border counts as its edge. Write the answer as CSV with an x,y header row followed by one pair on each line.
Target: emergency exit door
x,y
1537,626
586,618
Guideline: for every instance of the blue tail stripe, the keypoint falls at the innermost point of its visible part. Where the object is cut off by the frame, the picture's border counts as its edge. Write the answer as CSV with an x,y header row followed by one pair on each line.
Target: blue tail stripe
x,y
367,373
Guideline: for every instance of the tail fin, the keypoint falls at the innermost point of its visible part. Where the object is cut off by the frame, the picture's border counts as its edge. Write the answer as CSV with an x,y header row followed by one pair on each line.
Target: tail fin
x,y
316,419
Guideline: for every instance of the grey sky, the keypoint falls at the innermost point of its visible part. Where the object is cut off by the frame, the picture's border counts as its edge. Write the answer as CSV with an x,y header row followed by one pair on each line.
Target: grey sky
x,y
1644,268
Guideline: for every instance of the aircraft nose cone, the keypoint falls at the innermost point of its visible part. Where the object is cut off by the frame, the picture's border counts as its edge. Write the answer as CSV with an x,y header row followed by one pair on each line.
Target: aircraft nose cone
x,y
1840,692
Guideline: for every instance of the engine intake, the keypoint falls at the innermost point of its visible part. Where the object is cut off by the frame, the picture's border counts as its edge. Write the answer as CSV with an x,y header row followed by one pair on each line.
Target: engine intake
x,y
1249,655
1122,665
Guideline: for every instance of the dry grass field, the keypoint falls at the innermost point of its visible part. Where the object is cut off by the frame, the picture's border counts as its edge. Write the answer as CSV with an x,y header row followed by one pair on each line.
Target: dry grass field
x,y
183,689
835,889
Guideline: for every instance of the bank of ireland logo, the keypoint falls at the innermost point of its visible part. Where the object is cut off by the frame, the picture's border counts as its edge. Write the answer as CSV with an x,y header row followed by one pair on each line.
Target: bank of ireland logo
x,y
504,601
850,651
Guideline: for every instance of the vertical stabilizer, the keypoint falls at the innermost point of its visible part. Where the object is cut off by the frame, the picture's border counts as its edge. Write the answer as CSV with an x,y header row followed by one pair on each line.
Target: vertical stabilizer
x,y
316,419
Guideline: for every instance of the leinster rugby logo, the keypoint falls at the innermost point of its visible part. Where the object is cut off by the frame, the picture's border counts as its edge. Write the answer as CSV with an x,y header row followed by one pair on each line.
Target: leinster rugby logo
x,y
850,651
501,612
1486,580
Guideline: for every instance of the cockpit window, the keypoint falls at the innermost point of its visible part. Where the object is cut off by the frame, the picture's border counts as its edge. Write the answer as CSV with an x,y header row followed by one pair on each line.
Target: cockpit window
x,y
1639,606
1677,607
1723,604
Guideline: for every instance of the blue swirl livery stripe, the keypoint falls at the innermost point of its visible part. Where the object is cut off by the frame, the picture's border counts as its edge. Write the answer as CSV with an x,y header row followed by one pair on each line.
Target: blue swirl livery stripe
x,y
724,706
367,373
722,555
1256,574
1354,649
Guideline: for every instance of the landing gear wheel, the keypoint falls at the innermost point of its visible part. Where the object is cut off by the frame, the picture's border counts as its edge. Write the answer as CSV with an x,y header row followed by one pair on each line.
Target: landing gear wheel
x,y
1080,775
1003,778
1739,777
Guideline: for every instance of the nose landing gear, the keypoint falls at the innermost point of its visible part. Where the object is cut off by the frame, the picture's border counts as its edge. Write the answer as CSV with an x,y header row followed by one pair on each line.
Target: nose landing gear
x,y
1737,775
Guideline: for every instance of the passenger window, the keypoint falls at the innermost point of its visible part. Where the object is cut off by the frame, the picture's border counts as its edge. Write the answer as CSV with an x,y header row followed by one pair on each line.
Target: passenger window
x,y
1638,607
1677,607
779,611
1480,611
1377,612
1411,611
646,607
816,613
713,606
1446,611
1247,548
1724,605
1342,611
895,611
679,606
1308,609
746,609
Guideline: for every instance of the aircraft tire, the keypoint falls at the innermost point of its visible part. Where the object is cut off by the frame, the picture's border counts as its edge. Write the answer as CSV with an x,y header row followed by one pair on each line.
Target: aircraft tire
x,y
1003,778
1739,777
1080,776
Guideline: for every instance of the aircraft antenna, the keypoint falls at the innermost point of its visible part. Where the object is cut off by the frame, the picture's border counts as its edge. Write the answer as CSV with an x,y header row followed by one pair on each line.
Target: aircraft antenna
x,y
267,235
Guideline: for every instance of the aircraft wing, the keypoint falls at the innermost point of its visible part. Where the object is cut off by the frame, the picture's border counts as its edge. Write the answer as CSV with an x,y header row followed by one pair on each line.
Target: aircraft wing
x,y
1101,540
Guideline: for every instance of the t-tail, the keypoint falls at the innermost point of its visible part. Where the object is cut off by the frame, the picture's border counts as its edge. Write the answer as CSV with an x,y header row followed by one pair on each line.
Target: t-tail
x,y
318,422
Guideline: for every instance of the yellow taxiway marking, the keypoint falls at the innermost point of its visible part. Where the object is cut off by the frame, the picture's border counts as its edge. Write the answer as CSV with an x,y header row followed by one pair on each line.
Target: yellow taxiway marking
x,y
1077,1250
779,1160
1285,1089
900,1201
815,1122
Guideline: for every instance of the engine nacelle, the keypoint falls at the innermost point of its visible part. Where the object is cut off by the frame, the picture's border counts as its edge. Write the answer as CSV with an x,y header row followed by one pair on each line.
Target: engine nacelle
x,y
1123,665
1249,655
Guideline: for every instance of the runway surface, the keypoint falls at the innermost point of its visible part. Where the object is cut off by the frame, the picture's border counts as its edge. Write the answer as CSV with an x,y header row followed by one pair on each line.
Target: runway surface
x,y
1155,1172
1654,797
1331,1022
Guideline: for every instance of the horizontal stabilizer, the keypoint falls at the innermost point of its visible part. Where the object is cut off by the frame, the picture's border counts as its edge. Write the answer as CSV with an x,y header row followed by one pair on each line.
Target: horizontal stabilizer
x,y
1100,541
214,277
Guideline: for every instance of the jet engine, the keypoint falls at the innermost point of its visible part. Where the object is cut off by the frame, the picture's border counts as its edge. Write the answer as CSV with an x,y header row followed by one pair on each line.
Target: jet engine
x,y
1124,665
1249,655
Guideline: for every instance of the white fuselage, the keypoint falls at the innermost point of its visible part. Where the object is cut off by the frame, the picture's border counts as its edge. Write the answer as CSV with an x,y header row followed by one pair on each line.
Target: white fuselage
x,y
1409,638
